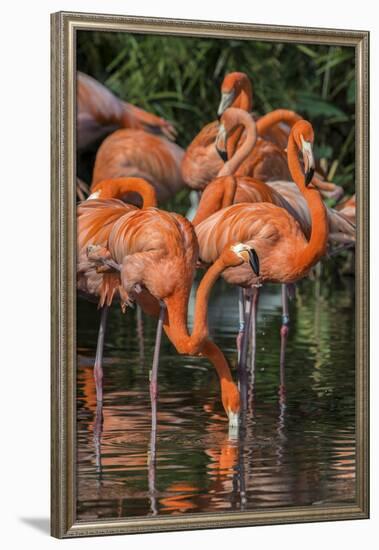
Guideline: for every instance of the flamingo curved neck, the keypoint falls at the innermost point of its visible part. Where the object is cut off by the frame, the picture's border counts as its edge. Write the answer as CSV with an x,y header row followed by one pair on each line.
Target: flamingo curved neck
x,y
198,342
316,245
275,117
248,124
177,309
119,187
244,101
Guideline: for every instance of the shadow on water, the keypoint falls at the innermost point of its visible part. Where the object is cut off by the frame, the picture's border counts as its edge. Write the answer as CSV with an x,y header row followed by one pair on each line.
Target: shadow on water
x,y
296,445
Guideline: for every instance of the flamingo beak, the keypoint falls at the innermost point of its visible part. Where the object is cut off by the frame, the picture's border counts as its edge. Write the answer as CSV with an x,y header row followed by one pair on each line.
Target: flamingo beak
x,y
227,99
221,143
309,161
254,261
223,154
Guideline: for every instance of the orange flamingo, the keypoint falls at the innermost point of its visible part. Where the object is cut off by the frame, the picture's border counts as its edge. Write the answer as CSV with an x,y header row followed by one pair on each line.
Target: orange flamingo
x,y
163,266
100,113
135,153
95,219
285,253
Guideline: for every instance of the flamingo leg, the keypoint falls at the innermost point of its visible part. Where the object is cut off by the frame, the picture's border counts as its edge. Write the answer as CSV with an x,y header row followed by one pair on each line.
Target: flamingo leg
x,y
154,380
285,312
242,372
141,345
241,317
97,431
98,366
255,299
284,330
154,398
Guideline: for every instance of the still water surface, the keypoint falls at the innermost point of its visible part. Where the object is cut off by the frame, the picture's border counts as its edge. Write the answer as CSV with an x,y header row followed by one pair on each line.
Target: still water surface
x,y
298,443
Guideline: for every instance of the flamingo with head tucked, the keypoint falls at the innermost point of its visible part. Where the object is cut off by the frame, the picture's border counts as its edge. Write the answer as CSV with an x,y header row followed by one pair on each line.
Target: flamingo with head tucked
x,y
100,112
95,219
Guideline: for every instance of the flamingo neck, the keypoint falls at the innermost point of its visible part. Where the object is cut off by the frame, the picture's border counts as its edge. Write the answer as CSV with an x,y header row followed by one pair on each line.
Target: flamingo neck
x,y
118,187
248,124
275,117
244,101
198,342
177,310
218,194
316,246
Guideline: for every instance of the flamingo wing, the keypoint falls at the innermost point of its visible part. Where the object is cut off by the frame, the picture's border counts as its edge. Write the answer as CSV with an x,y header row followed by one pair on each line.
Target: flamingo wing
x,y
266,162
201,162
135,153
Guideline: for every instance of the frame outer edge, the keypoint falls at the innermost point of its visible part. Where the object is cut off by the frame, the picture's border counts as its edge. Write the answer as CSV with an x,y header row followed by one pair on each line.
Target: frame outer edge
x,y
63,226
363,270
55,497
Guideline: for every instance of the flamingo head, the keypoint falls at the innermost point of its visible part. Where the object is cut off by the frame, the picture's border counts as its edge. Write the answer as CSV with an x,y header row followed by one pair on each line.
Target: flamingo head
x,y
304,137
240,253
231,402
233,87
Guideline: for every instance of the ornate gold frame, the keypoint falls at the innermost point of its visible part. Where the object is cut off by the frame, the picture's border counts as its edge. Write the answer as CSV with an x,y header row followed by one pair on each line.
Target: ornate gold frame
x,y
63,373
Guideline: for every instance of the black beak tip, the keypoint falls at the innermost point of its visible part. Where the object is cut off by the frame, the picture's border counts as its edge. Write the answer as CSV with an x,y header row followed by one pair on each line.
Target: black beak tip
x,y
309,176
222,154
254,261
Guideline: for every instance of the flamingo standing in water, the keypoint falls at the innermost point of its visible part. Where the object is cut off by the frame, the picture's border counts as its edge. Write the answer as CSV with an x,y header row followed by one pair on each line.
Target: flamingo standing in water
x,y
286,255
100,112
95,219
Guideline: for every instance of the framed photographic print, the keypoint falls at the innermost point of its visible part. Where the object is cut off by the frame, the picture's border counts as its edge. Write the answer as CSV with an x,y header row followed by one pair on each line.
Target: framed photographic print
x,y
209,274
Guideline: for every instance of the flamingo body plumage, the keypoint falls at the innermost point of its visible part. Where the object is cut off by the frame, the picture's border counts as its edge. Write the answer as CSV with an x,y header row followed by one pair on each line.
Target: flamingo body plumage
x,y
135,153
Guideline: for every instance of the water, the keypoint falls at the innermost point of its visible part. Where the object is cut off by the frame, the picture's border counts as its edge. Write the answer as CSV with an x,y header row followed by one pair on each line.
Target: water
x,y
298,443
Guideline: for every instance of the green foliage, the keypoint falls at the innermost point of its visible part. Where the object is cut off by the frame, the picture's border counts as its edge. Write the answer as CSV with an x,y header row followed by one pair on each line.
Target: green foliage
x,y
179,78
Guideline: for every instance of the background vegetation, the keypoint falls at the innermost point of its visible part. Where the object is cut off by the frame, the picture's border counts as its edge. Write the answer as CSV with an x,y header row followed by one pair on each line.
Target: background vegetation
x,y
179,79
